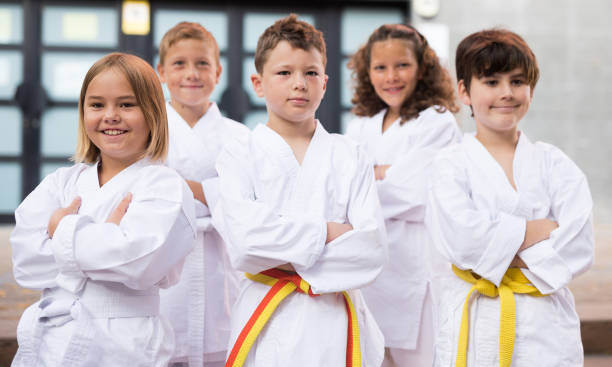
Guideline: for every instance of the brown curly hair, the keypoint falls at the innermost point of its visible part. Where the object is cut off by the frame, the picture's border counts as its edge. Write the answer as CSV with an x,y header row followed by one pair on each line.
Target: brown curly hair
x,y
434,87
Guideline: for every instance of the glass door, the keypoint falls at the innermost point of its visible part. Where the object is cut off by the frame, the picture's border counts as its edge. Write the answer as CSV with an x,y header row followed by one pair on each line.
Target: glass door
x,y
11,119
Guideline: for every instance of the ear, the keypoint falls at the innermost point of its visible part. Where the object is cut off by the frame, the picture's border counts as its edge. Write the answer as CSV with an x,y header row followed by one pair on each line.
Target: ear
x,y
325,79
160,71
256,79
463,93
219,70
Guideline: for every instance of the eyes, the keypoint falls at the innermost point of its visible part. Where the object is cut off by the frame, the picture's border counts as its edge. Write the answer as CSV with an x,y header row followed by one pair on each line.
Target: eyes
x,y
200,63
400,65
122,105
493,82
311,73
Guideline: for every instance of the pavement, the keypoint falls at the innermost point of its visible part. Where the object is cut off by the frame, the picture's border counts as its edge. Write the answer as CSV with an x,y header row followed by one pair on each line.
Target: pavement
x,y
592,291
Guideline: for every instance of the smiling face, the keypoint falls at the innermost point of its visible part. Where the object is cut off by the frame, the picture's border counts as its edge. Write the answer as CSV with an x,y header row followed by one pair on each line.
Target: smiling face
x,y
498,101
292,82
393,72
191,72
113,120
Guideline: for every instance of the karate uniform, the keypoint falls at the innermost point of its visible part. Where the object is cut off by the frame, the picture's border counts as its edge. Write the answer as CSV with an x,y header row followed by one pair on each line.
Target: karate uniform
x,y
477,220
274,211
100,281
199,306
398,296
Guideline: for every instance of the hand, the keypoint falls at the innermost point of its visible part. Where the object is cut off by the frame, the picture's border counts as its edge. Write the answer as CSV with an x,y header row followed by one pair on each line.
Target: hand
x,y
197,190
117,214
517,262
335,230
60,213
380,172
536,231
287,267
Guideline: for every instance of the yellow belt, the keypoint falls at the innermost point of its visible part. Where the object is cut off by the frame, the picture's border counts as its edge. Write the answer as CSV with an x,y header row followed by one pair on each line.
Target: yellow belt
x,y
282,284
514,281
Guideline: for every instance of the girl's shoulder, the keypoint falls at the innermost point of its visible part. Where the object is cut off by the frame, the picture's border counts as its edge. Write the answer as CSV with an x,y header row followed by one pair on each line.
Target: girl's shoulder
x,y
63,175
436,114
160,181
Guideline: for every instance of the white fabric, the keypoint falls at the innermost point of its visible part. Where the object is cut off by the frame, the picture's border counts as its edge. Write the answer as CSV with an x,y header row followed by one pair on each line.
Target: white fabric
x,y
397,296
274,211
199,306
100,281
478,222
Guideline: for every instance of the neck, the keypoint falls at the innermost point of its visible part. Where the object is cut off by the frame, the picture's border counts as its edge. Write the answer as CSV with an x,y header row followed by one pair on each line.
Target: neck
x,y
391,116
110,167
293,130
191,114
498,140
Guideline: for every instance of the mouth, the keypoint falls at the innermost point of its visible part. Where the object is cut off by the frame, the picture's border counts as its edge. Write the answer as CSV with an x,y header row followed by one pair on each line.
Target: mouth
x,y
298,101
192,86
505,108
393,90
113,132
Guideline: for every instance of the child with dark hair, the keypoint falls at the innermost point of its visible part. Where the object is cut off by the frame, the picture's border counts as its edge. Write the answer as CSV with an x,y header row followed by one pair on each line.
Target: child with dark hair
x,y
404,99
512,219
299,213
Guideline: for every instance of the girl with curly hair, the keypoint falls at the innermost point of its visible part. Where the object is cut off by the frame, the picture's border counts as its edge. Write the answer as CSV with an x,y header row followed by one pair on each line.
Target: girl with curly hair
x,y
404,100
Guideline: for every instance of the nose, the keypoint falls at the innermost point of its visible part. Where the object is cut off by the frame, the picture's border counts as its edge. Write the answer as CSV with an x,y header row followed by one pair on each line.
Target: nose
x,y
506,89
192,72
391,74
111,114
299,81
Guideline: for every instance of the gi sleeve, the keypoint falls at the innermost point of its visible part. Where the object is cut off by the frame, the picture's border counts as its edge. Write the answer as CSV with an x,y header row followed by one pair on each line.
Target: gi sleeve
x,y
356,258
34,265
554,262
257,237
147,248
403,191
467,236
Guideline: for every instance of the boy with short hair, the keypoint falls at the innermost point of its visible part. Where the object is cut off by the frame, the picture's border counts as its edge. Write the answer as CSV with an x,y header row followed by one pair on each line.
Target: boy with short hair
x,y
198,307
299,213
513,219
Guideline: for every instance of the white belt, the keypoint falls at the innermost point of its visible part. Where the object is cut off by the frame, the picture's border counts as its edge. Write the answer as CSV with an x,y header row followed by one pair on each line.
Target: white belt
x,y
109,299
97,300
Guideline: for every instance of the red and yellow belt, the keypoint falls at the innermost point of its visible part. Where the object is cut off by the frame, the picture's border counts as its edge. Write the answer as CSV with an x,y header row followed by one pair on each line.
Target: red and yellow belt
x,y
283,284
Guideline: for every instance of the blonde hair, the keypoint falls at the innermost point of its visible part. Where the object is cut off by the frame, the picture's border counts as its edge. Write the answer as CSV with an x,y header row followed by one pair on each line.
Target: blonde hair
x,y
183,31
149,96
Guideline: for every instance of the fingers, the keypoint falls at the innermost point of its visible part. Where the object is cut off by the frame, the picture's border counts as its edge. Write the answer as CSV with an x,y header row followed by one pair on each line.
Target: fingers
x,y
73,208
123,205
117,214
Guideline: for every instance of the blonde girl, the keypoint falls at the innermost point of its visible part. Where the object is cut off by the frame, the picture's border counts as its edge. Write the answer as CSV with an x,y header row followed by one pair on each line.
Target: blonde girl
x,y
101,237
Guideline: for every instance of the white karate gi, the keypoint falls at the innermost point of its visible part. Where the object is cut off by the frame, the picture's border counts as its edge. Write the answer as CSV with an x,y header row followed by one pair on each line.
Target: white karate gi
x,y
198,307
397,297
274,211
477,221
100,281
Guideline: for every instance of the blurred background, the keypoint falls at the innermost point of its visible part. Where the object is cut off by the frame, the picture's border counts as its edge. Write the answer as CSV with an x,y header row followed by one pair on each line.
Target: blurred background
x,y
46,47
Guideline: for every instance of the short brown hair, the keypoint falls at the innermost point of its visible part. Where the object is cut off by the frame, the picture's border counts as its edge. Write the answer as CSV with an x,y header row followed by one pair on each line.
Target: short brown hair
x,y
491,51
298,33
183,31
434,87
149,96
